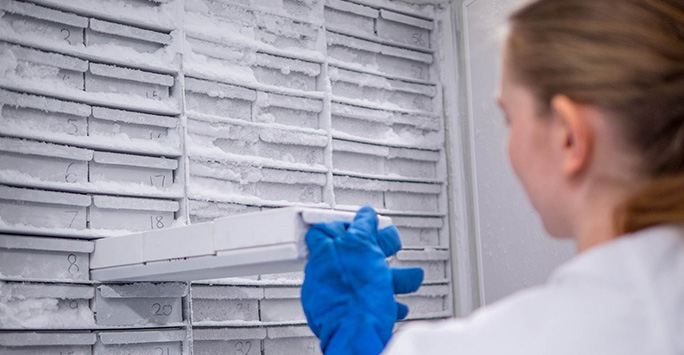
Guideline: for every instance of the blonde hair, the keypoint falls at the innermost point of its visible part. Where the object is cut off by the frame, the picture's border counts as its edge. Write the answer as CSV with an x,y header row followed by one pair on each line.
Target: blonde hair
x,y
626,57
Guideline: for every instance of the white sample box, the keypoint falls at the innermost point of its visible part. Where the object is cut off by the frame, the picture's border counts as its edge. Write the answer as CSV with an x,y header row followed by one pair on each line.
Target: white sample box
x,y
61,306
26,115
45,161
286,72
215,303
44,258
137,126
105,33
392,195
218,341
106,78
248,244
291,340
289,146
139,304
131,214
47,68
350,17
26,208
166,342
288,110
33,21
46,343
219,99
404,29
282,304
152,171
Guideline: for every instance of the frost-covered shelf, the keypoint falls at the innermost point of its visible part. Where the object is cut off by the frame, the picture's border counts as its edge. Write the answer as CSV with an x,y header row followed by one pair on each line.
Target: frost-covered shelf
x,y
249,244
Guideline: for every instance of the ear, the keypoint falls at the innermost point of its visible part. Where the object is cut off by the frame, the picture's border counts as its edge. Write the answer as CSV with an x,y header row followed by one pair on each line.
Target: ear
x,y
574,133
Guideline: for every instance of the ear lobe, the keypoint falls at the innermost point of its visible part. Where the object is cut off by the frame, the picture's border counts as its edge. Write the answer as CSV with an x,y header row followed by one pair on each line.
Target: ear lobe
x,y
577,138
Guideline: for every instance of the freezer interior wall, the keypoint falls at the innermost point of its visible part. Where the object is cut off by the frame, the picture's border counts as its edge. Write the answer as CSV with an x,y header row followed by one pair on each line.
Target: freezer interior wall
x,y
120,116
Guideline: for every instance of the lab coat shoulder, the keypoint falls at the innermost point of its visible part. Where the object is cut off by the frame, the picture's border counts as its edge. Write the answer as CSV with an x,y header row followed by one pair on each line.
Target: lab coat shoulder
x,y
600,302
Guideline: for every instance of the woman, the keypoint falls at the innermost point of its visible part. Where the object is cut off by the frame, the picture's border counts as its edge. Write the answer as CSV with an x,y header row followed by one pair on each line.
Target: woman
x,y
593,92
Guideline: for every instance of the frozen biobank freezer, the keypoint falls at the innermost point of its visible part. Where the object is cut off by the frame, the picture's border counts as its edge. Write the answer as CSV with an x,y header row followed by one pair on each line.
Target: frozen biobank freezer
x,y
138,136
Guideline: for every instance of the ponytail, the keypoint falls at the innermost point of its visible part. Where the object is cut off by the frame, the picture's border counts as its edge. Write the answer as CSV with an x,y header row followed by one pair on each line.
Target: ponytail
x,y
662,201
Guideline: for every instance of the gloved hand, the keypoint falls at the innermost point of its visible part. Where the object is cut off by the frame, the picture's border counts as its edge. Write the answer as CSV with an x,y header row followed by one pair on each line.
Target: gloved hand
x,y
348,290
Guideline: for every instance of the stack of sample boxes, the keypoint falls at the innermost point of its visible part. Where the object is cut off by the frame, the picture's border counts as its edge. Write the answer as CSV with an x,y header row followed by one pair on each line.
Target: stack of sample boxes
x,y
133,115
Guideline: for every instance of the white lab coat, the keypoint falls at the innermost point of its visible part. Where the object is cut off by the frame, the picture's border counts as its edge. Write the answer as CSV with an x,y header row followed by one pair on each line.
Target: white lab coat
x,y
623,297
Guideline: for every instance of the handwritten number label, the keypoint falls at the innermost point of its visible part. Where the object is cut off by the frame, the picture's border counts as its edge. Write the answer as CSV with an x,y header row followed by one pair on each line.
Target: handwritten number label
x,y
69,176
243,347
158,181
73,129
159,309
159,350
73,268
73,304
73,219
418,38
156,222
66,33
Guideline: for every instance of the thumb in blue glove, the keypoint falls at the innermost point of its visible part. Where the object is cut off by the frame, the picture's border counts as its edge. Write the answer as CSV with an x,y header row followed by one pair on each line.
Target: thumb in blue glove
x,y
348,290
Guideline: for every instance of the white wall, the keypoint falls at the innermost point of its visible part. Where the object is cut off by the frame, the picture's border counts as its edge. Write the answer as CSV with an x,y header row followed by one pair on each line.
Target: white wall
x,y
514,250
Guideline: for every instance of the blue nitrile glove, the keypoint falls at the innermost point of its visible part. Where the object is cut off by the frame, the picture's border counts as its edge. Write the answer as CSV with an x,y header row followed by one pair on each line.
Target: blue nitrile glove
x,y
348,290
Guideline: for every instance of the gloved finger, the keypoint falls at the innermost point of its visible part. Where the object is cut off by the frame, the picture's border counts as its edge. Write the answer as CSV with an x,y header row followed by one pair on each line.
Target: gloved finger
x,y
406,280
322,233
365,223
402,311
388,240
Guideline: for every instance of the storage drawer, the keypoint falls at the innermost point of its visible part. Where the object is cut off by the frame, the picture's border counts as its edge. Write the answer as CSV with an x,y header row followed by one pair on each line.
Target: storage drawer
x,y
269,29
288,110
220,341
430,301
404,29
420,232
156,172
44,258
380,90
286,72
166,342
47,68
43,209
297,340
391,161
225,303
33,21
219,99
392,195
135,125
389,60
433,262
386,127
205,211
265,183
282,304
36,305
27,115
44,343
139,304
131,214
45,161
350,17
106,78
272,143
105,33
